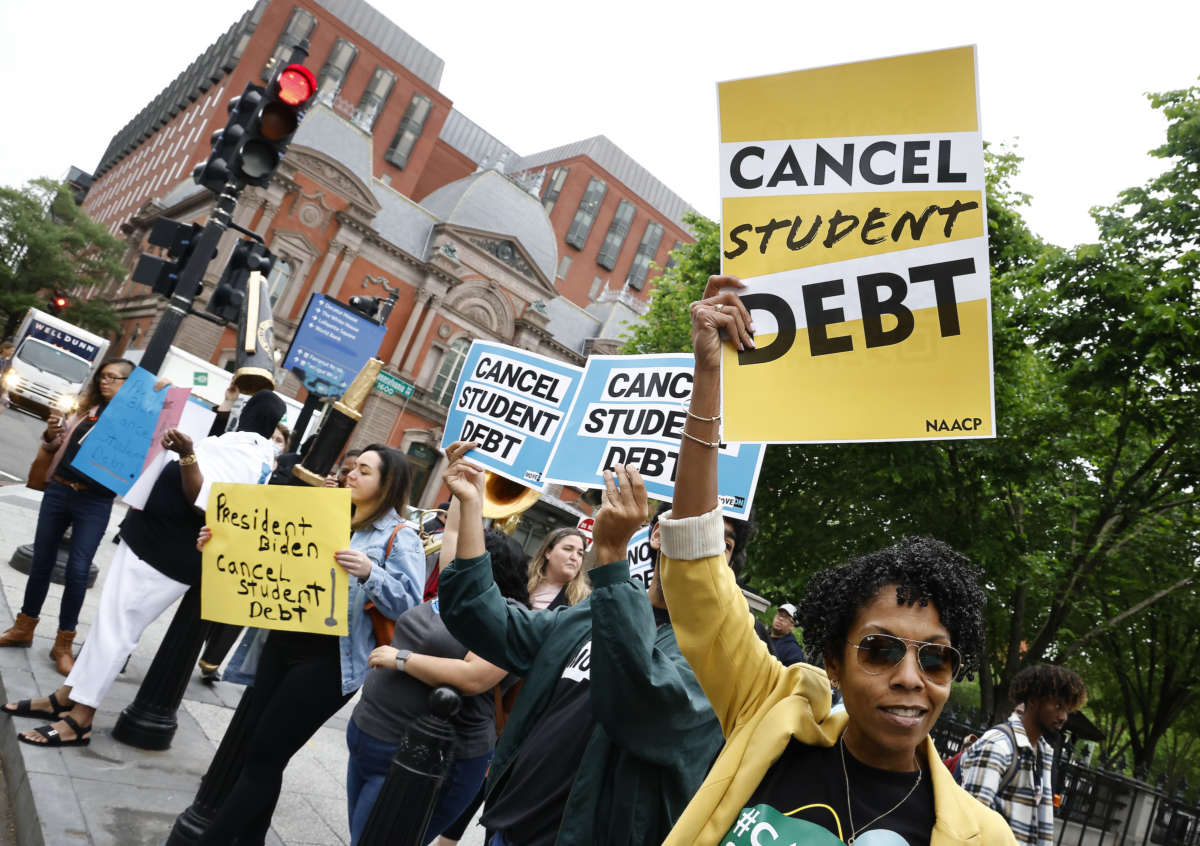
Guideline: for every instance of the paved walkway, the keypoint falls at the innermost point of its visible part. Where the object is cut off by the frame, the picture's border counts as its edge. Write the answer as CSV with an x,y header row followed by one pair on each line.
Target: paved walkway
x,y
111,794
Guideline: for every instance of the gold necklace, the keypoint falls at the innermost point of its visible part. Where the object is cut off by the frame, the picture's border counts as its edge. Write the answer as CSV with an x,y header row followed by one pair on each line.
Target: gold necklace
x,y
850,811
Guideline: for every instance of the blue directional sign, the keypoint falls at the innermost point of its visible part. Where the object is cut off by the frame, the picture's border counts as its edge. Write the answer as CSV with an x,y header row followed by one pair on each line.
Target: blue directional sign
x,y
331,345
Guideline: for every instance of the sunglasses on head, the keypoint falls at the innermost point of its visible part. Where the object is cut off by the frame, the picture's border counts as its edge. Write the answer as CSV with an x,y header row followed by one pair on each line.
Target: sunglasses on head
x,y
878,653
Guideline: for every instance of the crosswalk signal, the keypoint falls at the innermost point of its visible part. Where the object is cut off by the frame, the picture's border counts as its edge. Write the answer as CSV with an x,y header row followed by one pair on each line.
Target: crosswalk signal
x,y
229,297
162,274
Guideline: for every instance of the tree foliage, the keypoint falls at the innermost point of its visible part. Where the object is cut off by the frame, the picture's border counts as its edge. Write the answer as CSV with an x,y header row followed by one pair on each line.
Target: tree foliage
x,y
48,243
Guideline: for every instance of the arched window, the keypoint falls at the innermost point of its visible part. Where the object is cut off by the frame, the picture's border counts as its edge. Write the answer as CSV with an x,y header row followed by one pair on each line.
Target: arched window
x,y
277,280
447,377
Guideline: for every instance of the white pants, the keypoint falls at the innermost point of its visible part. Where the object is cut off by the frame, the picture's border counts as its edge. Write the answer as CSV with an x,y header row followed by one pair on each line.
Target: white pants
x,y
134,595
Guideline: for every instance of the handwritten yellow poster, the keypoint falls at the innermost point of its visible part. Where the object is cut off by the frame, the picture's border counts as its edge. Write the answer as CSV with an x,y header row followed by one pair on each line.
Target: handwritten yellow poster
x,y
270,562
853,207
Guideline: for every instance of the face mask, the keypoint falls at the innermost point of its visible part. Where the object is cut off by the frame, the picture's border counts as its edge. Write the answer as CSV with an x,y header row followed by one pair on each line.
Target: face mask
x,y
278,449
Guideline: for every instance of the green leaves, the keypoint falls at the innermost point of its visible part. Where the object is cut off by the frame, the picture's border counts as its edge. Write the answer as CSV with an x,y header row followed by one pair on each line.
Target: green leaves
x,y
48,243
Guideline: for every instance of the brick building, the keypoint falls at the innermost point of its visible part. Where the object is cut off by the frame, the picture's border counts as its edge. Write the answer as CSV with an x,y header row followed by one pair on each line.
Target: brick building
x,y
386,187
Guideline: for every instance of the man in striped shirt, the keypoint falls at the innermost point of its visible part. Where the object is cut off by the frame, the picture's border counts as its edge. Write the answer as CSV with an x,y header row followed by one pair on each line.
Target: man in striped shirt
x,y
1009,768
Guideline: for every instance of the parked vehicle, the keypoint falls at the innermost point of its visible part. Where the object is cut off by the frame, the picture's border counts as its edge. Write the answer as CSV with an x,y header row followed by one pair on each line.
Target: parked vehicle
x,y
52,364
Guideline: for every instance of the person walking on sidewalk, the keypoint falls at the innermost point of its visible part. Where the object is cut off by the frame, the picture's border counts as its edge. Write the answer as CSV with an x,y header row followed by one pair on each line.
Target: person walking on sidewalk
x,y
73,500
155,564
304,679
1009,768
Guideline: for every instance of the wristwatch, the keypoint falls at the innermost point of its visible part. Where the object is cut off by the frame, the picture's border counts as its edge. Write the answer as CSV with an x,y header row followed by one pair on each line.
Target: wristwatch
x,y
401,657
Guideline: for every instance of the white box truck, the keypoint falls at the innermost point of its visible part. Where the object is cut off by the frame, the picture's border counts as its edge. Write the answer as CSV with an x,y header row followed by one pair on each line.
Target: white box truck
x,y
52,363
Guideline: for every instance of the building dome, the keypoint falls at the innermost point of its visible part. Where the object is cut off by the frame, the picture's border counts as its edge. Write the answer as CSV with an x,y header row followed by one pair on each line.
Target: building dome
x,y
491,202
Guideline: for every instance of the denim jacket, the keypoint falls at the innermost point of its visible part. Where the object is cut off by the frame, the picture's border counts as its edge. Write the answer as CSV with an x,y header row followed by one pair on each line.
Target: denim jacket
x,y
394,586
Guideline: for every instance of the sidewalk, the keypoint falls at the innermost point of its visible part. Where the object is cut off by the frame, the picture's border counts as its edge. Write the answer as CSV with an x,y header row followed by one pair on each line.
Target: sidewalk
x,y
110,794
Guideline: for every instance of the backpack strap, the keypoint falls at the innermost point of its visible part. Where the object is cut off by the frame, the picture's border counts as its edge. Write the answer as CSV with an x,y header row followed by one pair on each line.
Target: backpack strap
x,y
1014,765
387,550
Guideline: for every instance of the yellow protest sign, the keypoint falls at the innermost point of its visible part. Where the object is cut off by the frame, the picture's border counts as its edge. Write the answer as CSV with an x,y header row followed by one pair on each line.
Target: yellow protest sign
x,y
853,208
270,562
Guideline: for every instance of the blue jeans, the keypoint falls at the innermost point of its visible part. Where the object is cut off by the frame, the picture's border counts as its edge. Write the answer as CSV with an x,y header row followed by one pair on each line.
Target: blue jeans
x,y
498,839
62,507
370,760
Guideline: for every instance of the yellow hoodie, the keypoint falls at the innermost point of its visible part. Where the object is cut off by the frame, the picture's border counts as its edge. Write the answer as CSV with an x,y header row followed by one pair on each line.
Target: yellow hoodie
x,y
762,704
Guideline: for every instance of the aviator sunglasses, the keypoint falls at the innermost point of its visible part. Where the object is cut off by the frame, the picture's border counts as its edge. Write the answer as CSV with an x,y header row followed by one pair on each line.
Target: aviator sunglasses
x,y
878,653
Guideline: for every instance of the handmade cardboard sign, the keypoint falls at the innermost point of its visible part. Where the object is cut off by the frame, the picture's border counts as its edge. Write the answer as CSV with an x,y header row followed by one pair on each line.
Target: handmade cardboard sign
x,y
512,403
270,561
631,409
853,208
115,451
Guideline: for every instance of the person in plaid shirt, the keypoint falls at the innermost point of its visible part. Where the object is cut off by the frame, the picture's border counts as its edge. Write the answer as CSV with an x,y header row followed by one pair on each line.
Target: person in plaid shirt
x,y
1023,793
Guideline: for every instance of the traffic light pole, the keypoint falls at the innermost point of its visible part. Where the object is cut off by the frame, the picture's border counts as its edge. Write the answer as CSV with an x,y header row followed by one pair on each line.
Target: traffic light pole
x,y
190,278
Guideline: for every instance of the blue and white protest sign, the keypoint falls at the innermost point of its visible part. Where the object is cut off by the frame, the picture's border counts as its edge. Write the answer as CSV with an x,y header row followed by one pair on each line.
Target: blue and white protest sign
x,y
512,403
641,558
114,450
631,409
331,345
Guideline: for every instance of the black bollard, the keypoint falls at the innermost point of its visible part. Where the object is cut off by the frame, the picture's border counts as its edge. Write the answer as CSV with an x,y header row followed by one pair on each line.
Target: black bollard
x,y
149,721
224,770
405,804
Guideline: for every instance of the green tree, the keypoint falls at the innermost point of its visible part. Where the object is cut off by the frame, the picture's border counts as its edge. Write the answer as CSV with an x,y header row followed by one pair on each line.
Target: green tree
x,y
666,327
48,243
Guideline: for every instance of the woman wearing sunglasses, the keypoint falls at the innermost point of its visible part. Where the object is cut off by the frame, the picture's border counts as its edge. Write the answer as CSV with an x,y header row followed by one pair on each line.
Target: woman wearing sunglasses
x,y
896,627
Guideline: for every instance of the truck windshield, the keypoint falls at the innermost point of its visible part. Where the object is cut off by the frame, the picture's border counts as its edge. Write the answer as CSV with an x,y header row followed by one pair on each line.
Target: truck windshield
x,y
51,359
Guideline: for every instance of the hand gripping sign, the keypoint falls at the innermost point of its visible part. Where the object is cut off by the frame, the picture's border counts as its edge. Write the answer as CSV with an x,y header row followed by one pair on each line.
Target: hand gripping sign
x,y
512,403
631,410
853,208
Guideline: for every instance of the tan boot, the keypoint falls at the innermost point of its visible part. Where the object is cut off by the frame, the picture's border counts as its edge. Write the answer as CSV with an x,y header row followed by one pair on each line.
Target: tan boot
x,y
21,633
61,654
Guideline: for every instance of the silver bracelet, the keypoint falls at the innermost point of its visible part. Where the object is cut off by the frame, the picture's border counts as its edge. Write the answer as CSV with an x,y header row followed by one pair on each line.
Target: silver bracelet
x,y
709,444
686,406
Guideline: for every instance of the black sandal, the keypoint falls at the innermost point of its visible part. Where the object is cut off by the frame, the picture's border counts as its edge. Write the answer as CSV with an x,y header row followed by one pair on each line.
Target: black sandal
x,y
24,709
53,738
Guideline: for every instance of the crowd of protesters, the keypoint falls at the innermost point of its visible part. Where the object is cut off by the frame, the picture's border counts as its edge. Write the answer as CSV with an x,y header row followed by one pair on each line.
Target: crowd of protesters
x,y
595,710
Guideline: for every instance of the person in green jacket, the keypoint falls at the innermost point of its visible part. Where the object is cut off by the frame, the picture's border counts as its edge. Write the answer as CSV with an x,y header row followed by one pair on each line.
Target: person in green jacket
x,y
611,734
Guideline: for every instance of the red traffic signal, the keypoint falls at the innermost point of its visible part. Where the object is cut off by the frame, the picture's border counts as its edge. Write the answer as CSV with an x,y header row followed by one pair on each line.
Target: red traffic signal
x,y
296,85
58,302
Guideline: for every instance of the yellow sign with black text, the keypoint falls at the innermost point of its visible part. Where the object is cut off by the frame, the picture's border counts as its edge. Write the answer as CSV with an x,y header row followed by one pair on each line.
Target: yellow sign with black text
x,y
270,561
853,209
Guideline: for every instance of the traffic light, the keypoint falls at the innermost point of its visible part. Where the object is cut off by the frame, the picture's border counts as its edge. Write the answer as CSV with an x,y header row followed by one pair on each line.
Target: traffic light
x,y
222,164
270,133
179,239
366,306
261,124
58,302
230,294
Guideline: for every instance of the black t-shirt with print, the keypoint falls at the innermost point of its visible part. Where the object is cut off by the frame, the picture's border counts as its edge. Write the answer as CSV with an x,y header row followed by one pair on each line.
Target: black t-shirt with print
x,y
807,783
528,805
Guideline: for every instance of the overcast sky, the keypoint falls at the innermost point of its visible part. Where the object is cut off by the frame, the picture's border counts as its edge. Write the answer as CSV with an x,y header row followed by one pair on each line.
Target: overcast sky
x,y
1062,81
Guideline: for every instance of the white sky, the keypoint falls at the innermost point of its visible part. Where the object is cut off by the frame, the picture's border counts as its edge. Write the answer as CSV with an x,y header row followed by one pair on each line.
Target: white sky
x,y
1063,80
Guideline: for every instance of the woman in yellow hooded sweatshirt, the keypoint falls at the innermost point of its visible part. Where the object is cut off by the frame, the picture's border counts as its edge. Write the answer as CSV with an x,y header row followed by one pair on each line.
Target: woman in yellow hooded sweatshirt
x,y
896,628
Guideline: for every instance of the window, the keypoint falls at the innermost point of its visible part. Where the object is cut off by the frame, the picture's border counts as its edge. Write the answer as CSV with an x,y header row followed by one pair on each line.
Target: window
x,y
410,130
598,285
645,254
374,98
333,73
299,27
554,187
673,259
447,377
615,239
564,264
585,215
277,280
